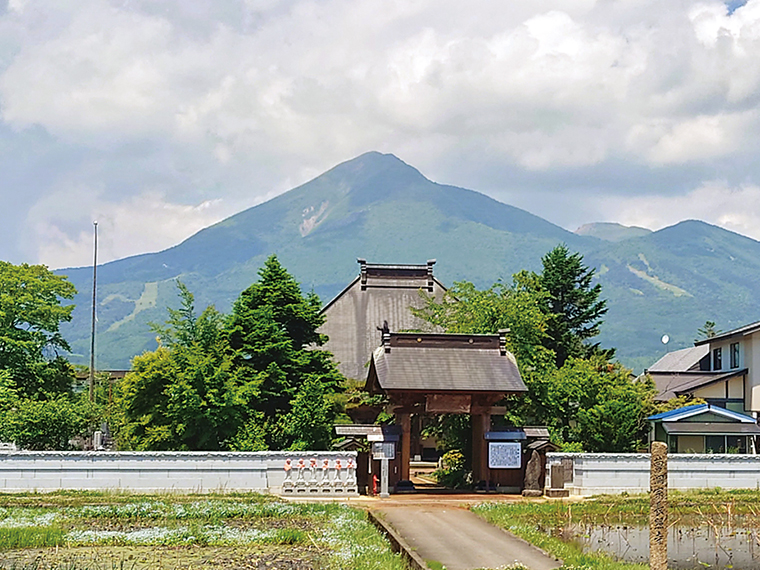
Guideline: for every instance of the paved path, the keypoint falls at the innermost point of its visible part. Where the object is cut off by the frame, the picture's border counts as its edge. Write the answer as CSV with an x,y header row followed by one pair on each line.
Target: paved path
x,y
460,540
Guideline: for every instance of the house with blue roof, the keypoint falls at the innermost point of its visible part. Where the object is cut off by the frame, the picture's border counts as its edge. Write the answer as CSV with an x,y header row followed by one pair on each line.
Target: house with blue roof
x,y
704,428
724,371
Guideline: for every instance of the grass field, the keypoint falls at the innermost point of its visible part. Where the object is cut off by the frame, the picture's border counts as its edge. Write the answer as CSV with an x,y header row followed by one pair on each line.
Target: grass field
x,y
93,531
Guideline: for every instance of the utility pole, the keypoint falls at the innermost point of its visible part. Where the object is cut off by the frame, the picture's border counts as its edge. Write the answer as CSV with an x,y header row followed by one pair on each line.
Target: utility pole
x,y
94,300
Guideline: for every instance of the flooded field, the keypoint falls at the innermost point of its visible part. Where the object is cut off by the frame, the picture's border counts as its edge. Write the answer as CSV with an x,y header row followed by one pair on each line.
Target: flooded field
x,y
708,529
689,547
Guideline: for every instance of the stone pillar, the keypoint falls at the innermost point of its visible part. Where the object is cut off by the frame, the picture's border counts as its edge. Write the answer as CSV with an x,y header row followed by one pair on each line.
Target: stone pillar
x,y
406,442
658,510
481,423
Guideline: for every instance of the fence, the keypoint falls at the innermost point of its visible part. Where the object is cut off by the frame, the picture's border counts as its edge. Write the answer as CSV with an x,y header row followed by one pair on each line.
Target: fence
x,y
175,471
596,473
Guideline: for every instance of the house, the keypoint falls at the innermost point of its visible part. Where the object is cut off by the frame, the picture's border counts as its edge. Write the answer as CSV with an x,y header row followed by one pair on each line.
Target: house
x,y
378,298
704,428
687,372
725,372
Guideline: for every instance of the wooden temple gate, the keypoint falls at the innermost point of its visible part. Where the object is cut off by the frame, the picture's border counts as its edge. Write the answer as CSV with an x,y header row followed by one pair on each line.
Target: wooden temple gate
x,y
424,373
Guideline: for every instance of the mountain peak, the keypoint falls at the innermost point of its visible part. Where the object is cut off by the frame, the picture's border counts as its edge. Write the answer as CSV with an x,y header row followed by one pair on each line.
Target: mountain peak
x,y
370,165
610,231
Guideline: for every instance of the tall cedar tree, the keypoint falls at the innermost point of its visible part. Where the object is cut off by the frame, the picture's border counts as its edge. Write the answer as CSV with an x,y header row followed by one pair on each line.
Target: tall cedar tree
x,y
571,303
273,330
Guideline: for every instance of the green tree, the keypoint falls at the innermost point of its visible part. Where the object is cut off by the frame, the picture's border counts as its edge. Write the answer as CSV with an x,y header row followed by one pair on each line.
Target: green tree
x,y
31,312
273,331
309,423
571,303
42,425
185,395
613,406
516,308
586,401
707,330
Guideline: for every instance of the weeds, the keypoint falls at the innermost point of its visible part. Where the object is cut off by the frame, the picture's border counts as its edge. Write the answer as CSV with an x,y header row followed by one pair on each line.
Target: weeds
x,y
31,537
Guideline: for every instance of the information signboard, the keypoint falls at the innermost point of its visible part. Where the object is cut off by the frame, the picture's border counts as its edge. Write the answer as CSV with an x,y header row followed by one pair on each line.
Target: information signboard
x,y
383,450
504,455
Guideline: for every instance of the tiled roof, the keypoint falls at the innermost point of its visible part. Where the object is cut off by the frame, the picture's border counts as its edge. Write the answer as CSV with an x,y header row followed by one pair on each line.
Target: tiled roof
x,y
440,362
379,294
672,384
680,360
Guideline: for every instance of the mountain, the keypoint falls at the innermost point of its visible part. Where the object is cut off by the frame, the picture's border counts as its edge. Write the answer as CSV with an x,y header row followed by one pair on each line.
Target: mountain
x,y
611,232
379,208
673,280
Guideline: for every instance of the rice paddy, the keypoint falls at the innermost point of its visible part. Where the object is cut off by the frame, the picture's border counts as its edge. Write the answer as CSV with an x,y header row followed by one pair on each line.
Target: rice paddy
x,y
611,533
78,531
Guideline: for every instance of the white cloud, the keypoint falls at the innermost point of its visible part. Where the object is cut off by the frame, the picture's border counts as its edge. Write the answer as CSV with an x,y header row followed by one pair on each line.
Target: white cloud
x,y
736,208
142,223
237,99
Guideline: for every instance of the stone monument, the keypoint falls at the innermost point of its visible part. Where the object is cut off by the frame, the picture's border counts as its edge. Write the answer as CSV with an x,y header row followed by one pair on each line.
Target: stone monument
x,y
658,510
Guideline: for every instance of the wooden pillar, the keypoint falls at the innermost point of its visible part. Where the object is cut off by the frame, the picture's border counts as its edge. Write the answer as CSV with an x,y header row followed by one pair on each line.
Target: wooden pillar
x,y
406,442
481,423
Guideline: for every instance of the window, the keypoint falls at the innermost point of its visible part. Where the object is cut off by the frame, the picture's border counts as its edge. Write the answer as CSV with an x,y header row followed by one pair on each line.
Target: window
x,y
715,444
736,444
734,355
717,359
733,404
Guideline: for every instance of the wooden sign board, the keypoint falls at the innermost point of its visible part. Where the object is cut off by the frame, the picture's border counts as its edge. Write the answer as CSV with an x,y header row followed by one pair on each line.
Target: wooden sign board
x,y
448,403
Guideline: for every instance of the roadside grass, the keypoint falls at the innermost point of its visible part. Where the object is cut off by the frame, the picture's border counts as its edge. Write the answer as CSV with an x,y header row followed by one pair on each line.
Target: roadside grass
x,y
329,535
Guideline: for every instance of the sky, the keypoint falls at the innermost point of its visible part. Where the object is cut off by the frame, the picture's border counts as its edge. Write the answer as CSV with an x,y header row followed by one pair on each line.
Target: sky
x,y
160,117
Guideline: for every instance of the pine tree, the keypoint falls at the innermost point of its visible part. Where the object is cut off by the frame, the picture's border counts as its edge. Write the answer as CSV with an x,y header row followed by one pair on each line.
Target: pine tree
x,y
571,303
273,331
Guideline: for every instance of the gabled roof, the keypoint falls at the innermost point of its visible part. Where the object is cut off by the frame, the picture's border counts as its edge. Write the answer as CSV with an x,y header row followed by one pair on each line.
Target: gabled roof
x,y
672,384
391,276
444,363
382,294
698,409
741,331
681,360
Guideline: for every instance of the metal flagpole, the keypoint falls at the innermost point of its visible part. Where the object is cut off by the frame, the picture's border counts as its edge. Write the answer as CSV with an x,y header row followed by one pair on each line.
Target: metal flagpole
x,y
94,297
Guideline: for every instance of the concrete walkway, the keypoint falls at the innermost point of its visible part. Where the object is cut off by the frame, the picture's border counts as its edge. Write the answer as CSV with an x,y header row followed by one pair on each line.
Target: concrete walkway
x,y
460,540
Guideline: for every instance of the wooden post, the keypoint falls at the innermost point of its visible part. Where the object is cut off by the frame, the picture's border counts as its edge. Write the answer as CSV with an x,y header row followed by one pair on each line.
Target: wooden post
x,y
406,442
658,509
481,423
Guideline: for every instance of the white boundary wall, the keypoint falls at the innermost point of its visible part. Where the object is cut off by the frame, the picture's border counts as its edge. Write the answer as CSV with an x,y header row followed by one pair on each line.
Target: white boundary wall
x,y
597,473
158,470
